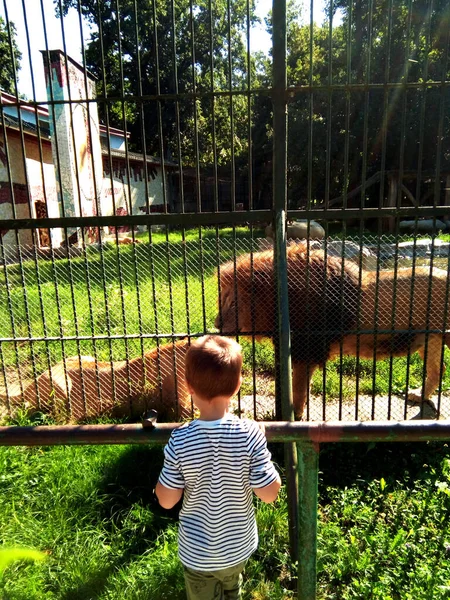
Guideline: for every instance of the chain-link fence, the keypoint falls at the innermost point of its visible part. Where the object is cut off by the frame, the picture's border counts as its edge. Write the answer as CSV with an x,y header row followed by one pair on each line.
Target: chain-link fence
x,y
103,329
122,163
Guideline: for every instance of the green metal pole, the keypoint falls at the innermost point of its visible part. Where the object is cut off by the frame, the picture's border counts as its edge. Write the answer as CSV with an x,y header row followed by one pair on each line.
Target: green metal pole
x,y
308,471
283,347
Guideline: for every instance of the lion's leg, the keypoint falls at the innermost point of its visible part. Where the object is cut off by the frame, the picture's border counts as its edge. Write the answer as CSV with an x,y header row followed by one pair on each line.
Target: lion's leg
x,y
432,369
301,378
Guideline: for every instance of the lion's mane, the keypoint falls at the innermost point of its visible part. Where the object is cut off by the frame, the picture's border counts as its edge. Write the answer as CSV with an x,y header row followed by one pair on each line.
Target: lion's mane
x,y
336,308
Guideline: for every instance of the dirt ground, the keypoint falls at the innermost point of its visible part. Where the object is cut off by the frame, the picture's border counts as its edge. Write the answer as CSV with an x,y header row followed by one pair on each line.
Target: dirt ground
x,y
380,408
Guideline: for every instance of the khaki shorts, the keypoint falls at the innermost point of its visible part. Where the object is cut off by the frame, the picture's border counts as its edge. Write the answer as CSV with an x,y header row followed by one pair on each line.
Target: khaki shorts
x,y
223,584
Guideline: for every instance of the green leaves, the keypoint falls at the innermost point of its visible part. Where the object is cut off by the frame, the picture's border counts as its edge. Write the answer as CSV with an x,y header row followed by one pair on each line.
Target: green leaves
x,y
8,63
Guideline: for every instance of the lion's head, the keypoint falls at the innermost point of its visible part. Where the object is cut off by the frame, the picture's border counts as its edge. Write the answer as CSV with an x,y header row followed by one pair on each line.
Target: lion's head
x,y
246,295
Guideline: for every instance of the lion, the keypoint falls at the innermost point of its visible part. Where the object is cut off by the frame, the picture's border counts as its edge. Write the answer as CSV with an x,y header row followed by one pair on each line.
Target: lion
x,y
337,308
80,387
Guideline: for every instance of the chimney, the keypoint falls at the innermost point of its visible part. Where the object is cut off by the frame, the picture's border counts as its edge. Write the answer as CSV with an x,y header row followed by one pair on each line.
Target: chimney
x,y
75,136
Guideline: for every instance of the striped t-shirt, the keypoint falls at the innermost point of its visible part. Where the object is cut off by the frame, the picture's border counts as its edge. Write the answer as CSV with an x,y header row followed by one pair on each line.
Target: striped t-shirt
x,y
217,463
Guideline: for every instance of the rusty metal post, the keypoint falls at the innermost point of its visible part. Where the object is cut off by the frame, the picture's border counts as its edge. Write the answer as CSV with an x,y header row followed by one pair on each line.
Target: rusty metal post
x,y
308,471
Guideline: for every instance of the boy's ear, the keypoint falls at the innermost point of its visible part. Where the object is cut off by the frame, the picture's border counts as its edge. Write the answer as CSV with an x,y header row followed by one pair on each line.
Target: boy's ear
x,y
190,390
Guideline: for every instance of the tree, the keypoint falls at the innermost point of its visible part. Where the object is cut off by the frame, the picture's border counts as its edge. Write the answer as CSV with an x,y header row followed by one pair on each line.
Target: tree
x,y
7,62
156,50
337,138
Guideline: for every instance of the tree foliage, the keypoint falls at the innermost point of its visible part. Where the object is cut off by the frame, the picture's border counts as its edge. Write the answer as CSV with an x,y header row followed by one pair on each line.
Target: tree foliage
x,y
352,125
146,49
364,91
8,63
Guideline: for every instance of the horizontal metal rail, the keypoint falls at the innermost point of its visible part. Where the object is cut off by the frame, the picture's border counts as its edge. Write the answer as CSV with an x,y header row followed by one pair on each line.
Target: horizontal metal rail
x,y
276,431
180,336
222,217
266,91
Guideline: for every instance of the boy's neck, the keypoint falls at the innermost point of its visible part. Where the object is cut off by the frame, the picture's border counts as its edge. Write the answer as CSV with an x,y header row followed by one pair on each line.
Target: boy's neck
x,y
212,410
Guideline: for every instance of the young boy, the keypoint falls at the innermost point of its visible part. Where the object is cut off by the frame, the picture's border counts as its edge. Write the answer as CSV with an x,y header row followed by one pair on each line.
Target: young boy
x,y
216,460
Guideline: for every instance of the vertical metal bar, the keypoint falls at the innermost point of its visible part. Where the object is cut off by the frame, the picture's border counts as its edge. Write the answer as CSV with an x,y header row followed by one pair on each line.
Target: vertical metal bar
x,y
2,356
158,105
11,315
444,98
194,92
310,108
232,158
250,193
329,112
137,255
384,130
127,162
69,261
44,193
113,197
399,197
230,88
310,104
86,92
177,110
280,198
86,265
345,188
27,184
308,470
59,179
80,208
427,21
280,258
3,252
328,174
363,187
436,191
60,322
151,260
180,160
107,317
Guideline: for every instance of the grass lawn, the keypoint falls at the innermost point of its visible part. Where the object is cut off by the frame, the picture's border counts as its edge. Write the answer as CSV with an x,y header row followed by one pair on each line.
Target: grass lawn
x,y
383,525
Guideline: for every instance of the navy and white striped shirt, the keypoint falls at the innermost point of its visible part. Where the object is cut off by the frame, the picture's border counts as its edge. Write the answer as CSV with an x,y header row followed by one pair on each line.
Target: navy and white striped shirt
x,y
217,463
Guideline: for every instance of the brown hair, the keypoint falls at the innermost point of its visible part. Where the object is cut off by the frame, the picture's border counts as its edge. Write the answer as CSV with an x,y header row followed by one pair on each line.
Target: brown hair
x,y
213,366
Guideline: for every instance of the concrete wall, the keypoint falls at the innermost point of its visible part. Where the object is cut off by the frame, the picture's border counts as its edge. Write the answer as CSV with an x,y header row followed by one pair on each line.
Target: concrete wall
x,y
125,181
40,187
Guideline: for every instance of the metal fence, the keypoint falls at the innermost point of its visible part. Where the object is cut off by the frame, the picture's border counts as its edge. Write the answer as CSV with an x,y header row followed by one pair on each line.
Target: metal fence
x,y
152,192
103,329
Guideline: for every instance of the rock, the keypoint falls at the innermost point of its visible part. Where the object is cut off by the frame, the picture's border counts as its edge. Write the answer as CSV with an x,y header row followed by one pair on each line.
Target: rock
x,y
423,226
354,252
299,230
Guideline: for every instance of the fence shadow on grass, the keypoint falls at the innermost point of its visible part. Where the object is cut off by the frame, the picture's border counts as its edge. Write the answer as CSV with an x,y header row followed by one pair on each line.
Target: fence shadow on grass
x,y
345,464
131,512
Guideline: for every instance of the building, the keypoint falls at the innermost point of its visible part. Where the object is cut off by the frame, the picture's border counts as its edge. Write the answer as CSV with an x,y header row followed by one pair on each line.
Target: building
x,y
61,162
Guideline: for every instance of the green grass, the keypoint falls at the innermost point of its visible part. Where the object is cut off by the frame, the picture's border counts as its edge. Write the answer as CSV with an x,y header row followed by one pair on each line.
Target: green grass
x,y
384,508
168,286
385,522
383,525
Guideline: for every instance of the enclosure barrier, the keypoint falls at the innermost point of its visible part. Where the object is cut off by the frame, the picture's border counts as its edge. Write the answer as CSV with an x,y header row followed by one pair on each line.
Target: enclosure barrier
x,y
365,101
307,438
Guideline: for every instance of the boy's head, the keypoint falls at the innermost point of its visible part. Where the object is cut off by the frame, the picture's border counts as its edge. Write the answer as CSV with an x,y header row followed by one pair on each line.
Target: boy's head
x,y
213,366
